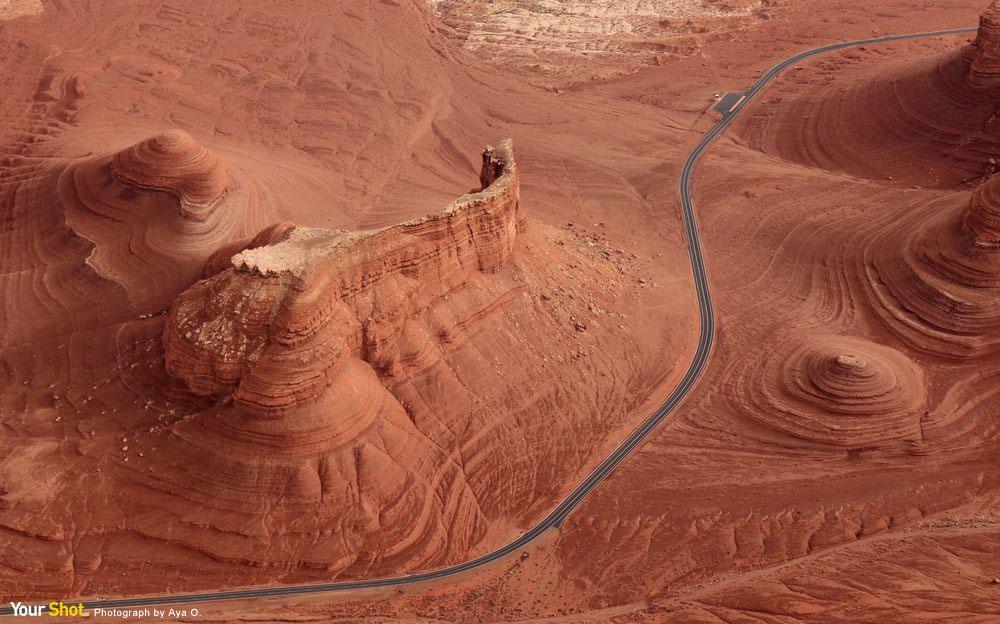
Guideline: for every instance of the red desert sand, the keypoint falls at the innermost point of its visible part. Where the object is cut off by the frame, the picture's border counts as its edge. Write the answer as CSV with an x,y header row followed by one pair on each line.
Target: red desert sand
x,y
261,323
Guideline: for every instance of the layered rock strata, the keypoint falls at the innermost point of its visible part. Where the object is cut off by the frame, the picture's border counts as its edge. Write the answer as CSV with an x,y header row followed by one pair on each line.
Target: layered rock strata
x,y
117,235
313,345
983,55
275,327
156,210
930,122
173,162
837,391
937,275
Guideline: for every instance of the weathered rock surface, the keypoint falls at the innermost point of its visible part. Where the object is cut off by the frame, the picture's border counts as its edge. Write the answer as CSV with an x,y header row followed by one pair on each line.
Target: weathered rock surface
x,y
574,39
983,219
275,327
929,123
349,383
155,211
983,55
9,9
174,163
840,391
469,405
115,235
936,275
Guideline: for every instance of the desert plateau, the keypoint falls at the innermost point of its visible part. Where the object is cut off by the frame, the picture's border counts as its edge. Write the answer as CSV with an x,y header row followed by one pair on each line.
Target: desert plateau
x,y
678,311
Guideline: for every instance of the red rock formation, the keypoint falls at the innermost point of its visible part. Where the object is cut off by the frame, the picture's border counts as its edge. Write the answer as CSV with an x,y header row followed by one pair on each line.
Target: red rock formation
x,y
348,413
937,275
930,122
983,55
296,342
274,328
839,391
927,122
480,411
175,163
345,383
222,258
156,211
121,234
983,218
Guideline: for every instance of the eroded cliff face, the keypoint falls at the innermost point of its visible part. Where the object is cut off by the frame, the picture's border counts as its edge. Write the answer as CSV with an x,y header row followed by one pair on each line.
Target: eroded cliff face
x,y
275,327
983,55
395,395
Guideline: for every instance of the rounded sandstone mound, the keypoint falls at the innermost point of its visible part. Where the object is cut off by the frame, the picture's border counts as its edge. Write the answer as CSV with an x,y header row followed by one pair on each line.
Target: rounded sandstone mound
x,y
156,210
982,218
174,162
841,391
935,275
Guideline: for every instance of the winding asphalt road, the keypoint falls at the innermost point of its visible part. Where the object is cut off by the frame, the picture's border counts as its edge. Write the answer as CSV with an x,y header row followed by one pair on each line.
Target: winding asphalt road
x,y
637,437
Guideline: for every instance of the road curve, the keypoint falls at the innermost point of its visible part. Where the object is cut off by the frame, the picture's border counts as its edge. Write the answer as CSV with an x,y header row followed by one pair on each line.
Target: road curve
x,y
637,437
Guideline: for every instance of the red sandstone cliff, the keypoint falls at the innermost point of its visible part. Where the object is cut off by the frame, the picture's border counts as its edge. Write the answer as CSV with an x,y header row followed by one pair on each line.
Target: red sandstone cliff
x,y
274,327
983,55
464,416
389,387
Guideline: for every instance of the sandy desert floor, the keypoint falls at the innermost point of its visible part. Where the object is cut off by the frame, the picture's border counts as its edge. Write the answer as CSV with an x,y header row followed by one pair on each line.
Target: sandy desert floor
x,y
836,463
